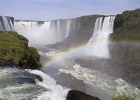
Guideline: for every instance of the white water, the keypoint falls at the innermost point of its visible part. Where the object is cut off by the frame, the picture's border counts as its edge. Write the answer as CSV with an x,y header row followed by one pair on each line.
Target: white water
x,y
11,25
37,35
58,31
10,90
98,44
55,91
101,85
7,24
43,34
1,26
68,28
103,82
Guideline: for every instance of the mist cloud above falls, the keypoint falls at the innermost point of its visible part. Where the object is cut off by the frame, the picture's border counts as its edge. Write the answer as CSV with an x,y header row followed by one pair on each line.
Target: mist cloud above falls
x,y
37,35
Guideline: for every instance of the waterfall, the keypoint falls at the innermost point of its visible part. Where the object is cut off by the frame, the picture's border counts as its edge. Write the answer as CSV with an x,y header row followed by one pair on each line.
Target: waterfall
x,y
58,31
11,25
68,28
6,24
1,26
23,27
98,44
44,33
36,33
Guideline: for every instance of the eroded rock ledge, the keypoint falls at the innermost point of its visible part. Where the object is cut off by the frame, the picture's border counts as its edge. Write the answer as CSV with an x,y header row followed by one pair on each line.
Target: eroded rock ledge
x,y
78,95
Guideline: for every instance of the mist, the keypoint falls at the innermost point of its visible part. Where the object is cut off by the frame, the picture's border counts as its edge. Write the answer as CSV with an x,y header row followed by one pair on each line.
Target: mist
x,y
37,34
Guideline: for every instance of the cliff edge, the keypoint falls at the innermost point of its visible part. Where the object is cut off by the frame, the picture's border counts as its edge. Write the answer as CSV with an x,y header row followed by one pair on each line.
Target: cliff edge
x,y
14,50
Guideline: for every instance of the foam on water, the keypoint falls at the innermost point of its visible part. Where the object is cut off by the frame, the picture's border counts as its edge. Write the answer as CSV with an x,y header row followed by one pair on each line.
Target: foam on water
x,y
12,88
98,80
45,90
18,92
55,91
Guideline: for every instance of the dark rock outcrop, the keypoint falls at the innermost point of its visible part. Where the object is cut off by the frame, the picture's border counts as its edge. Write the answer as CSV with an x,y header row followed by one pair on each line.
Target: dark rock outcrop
x,y
78,95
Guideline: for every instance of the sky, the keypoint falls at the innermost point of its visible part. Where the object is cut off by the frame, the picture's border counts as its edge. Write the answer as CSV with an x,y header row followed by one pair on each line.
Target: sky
x,y
47,10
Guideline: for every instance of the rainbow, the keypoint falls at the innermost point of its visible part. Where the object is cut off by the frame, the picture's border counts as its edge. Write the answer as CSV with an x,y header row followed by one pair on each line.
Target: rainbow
x,y
64,54
75,49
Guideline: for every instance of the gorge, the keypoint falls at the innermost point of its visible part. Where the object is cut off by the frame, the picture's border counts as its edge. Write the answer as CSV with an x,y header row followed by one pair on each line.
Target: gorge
x,y
83,53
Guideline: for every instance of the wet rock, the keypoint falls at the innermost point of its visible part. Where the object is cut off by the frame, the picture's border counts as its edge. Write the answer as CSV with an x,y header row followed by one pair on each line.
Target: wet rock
x,y
78,95
37,77
24,80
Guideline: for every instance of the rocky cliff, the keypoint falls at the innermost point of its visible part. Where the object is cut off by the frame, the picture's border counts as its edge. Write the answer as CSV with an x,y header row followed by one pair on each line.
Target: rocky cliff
x,y
126,37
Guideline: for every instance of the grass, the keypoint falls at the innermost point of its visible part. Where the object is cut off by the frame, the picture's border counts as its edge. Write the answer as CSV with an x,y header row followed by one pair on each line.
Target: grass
x,y
123,97
14,50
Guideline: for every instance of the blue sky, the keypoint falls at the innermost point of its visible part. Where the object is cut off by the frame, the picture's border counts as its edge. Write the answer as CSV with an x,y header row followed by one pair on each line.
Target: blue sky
x,y
63,9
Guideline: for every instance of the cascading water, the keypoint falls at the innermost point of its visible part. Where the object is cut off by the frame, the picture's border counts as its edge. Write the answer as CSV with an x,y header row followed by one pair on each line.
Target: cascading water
x,y
6,24
98,44
58,31
68,28
23,27
17,84
46,33
1,26
11,25
36,33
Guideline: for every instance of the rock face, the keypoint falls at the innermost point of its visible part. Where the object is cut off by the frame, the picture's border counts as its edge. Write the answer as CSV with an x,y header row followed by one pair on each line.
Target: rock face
x,y
126,37
125,47
78,95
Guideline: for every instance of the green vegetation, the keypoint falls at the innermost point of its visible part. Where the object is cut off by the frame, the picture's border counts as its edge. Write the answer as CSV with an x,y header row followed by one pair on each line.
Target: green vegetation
x,y
14,50
127,37
122,97
127,26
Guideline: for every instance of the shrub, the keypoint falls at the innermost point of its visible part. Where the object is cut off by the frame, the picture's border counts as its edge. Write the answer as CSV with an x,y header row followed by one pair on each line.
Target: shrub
x,y
122,97
14,50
